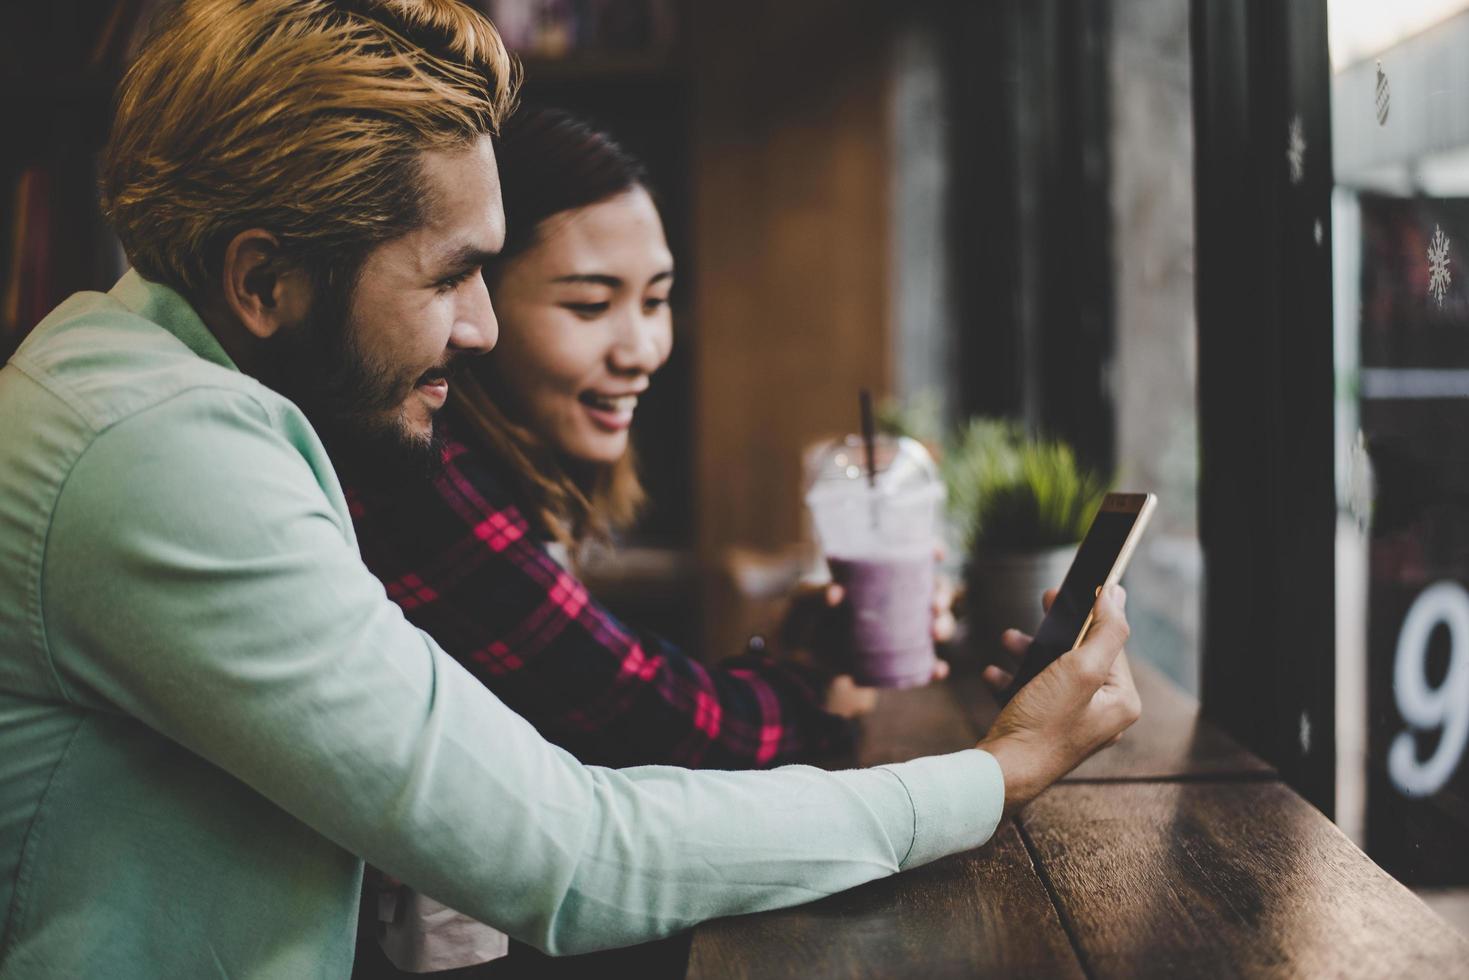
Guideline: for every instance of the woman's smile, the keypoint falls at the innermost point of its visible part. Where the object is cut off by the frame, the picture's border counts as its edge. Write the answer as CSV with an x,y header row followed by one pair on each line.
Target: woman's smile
x,y
612,412
585,323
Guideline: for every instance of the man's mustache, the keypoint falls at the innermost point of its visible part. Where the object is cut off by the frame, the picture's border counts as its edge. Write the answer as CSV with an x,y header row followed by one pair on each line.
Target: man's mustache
x,y
444,371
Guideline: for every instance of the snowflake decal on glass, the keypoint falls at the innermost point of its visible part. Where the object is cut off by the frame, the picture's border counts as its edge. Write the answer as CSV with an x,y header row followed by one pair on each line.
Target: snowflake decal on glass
x,y
1438,265
1295,150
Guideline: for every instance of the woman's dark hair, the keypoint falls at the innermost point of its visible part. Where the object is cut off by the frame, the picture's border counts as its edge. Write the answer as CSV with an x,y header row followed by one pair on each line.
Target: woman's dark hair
x,y
550,162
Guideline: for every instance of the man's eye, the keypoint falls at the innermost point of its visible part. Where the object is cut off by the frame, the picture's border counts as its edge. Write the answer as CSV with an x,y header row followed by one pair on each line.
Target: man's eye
x,y
587,309
445,285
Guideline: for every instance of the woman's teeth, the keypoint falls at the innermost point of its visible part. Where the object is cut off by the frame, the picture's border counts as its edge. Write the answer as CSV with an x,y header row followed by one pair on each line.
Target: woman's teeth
x,y
620,405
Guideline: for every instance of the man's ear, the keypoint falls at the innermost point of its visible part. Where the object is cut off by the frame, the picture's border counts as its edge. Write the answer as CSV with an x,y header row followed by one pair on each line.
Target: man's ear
x,y
262,292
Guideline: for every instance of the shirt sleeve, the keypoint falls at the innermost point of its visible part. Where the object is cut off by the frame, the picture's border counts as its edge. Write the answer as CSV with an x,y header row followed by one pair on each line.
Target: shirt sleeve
x,y
461,560
197,578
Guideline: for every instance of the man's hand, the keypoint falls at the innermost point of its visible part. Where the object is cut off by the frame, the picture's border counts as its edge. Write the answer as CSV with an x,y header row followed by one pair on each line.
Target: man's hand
x,y
1079,704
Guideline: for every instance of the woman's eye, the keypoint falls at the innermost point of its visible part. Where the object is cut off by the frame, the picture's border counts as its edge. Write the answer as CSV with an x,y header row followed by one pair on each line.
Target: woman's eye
x,y
587,309
654,302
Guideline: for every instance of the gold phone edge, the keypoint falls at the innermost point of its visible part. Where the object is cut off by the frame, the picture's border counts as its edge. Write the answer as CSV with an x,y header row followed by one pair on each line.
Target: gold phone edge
x,y
1119,567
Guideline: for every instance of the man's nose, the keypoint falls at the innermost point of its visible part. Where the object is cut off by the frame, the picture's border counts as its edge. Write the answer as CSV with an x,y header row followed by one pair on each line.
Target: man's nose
x,y
476,328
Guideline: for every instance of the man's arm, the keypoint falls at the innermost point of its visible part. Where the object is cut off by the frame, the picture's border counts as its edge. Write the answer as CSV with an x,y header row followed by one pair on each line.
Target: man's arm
x,y
197,578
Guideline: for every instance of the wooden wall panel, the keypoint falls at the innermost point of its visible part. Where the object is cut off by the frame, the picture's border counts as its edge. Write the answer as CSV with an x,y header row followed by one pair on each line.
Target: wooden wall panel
x,y
791,249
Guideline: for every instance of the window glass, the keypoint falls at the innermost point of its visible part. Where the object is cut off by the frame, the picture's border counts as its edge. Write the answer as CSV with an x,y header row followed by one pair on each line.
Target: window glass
x,y
1154,372
1400,131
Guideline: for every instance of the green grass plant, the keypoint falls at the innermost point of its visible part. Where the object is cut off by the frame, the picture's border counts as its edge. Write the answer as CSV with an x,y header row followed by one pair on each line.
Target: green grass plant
x,y
1007,491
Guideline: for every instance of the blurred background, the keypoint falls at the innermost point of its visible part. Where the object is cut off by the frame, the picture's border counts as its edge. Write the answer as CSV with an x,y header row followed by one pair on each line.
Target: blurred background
x,y
1216,249
967,208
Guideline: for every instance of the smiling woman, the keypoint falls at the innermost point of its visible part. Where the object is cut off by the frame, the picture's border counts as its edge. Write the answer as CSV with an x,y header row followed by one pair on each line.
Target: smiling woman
x,y
590,304
537,462
584,278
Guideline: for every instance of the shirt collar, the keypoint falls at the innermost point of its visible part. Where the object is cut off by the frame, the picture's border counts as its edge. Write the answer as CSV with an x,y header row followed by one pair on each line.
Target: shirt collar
x,y
161,305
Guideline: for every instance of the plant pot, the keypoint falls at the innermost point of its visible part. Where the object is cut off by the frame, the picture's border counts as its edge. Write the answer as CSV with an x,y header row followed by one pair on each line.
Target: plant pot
x,y
1004,591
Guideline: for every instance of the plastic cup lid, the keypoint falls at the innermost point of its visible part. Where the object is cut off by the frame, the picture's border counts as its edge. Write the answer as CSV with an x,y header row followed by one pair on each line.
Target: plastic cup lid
x,y
904,469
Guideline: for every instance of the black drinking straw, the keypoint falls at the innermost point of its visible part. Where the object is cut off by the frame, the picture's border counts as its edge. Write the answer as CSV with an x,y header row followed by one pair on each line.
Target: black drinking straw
x,y
869,436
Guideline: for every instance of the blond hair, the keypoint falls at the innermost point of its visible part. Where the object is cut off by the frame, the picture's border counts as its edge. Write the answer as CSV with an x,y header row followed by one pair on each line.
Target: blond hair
x,y
306,118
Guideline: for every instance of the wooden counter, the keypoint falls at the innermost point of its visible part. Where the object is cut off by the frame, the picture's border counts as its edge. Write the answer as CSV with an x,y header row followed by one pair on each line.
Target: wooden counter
x,y
1175,853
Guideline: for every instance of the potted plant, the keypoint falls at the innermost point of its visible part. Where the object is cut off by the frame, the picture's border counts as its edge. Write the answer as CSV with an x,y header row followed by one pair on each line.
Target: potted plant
x,y
1030,503
1017,508
979,450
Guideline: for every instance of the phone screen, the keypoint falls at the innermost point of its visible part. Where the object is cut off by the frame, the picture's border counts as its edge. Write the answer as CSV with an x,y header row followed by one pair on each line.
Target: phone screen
x,y
1095,558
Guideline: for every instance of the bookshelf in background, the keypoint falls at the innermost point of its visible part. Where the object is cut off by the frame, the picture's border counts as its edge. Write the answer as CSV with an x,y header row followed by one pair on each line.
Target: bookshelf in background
x,y
618,63
584,31
62,61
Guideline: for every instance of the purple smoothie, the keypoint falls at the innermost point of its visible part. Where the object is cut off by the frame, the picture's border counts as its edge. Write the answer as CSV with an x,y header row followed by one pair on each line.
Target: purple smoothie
x,y
891,601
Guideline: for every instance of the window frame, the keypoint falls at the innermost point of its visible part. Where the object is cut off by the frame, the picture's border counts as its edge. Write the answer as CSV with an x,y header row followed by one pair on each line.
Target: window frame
x,y
1267,495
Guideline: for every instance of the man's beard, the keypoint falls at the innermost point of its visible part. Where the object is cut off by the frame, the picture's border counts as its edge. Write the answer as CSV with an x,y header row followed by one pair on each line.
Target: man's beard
x,y
356,407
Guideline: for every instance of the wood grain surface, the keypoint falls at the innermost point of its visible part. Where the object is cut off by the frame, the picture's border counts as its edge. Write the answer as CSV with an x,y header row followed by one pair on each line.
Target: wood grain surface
x,y
1169,741
1226,879
920,721
1174,854
980,914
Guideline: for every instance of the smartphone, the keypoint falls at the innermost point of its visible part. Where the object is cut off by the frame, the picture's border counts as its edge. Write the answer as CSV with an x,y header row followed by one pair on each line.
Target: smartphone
x,y
1100,561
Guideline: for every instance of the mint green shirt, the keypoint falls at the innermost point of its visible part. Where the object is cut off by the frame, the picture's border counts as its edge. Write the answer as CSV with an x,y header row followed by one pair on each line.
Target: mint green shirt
x,y
209,710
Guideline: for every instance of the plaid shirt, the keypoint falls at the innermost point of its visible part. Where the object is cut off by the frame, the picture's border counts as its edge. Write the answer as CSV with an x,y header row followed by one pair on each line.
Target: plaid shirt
x,y
463,563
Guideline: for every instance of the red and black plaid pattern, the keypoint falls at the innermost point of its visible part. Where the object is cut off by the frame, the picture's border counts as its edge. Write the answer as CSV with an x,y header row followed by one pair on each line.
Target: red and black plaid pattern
x,y
460,559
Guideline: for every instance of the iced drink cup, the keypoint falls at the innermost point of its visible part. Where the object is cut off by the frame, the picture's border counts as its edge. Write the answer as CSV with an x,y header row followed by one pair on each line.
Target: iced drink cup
x,y
891,603
879,542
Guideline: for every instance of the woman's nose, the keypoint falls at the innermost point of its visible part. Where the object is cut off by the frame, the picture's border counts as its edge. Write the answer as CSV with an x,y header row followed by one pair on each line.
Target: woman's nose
x,y
637,347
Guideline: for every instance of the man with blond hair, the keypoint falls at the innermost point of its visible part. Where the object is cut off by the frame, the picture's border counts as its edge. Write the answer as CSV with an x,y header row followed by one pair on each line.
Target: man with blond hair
x,y
210,713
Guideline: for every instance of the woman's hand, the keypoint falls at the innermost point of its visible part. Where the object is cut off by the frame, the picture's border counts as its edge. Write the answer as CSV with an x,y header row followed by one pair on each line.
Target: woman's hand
x,y
847,698
1079,704
813,633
